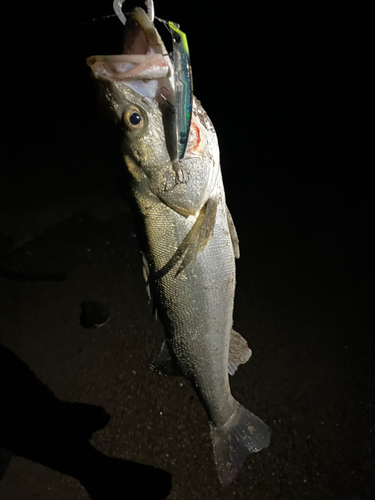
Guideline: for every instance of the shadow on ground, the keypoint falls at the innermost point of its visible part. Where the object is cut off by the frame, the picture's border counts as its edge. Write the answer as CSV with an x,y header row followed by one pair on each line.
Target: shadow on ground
x,y
36,425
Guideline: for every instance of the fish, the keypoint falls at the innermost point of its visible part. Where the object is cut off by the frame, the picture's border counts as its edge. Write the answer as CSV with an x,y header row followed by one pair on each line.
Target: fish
x,y
186,234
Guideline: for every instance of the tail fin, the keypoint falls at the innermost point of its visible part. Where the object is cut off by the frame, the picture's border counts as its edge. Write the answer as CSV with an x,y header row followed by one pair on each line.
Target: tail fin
x,y
244,433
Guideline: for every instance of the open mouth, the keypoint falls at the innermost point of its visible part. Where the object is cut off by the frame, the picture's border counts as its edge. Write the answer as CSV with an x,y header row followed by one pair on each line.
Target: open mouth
x,y
145,67
144,59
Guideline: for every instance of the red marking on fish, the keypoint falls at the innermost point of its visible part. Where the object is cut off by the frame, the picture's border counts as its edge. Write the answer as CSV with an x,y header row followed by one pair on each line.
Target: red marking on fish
x,y
196,139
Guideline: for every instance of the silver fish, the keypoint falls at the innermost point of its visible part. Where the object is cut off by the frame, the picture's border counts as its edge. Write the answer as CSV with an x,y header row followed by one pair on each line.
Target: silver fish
x,y
187,237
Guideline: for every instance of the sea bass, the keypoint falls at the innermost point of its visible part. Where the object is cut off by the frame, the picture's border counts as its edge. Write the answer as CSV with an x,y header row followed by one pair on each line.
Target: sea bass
x,y
187,236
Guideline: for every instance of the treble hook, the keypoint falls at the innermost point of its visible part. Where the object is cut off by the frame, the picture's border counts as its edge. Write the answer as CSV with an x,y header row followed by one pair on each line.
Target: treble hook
x,y
117,7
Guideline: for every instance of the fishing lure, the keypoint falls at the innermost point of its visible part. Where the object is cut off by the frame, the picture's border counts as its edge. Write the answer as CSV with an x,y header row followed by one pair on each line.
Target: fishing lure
x,y
183,83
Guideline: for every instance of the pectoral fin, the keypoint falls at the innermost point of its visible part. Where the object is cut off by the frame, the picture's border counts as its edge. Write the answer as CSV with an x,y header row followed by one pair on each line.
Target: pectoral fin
x,y
239,352
195,241
233,235
202,234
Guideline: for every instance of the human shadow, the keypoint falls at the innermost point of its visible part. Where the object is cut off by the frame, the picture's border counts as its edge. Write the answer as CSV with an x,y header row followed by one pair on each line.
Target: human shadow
x,y
36,425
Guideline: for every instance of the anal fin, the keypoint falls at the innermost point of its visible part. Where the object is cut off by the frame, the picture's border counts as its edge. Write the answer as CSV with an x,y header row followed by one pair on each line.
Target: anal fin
x,y
239,352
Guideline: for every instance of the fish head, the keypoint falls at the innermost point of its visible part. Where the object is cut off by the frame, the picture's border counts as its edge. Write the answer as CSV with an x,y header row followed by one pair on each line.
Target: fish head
x,y
140,122
134,89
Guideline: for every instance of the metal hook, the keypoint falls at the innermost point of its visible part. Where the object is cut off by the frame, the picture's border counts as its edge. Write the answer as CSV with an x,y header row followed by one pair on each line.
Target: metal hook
x,y
150,9
117,7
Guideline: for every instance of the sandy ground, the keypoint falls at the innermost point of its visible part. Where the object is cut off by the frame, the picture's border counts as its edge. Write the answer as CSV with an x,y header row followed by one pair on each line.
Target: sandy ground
x,y
82,415
303,305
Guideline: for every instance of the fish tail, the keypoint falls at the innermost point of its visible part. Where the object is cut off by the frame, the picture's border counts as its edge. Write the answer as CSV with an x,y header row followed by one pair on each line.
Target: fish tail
x,y
244,433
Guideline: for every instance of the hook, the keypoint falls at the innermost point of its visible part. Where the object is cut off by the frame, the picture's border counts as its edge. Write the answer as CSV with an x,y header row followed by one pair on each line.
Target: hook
x,y
150,9
117,7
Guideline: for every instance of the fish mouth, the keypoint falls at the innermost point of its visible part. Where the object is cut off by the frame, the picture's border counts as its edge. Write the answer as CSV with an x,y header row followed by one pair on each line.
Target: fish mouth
x,y
144,56
146,68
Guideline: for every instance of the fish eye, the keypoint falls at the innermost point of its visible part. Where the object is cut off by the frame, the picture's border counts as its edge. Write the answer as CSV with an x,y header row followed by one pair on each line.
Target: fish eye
x,y
133,118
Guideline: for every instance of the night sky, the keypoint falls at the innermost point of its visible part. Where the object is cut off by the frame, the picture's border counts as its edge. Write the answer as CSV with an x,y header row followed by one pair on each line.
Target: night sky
x,y
286,85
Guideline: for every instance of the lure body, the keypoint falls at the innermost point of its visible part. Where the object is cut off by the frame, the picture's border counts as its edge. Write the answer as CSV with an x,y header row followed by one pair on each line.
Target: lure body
x,y
183,84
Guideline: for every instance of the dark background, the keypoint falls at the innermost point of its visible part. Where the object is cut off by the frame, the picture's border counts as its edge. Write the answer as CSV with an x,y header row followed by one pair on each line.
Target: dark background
x,y
287,86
